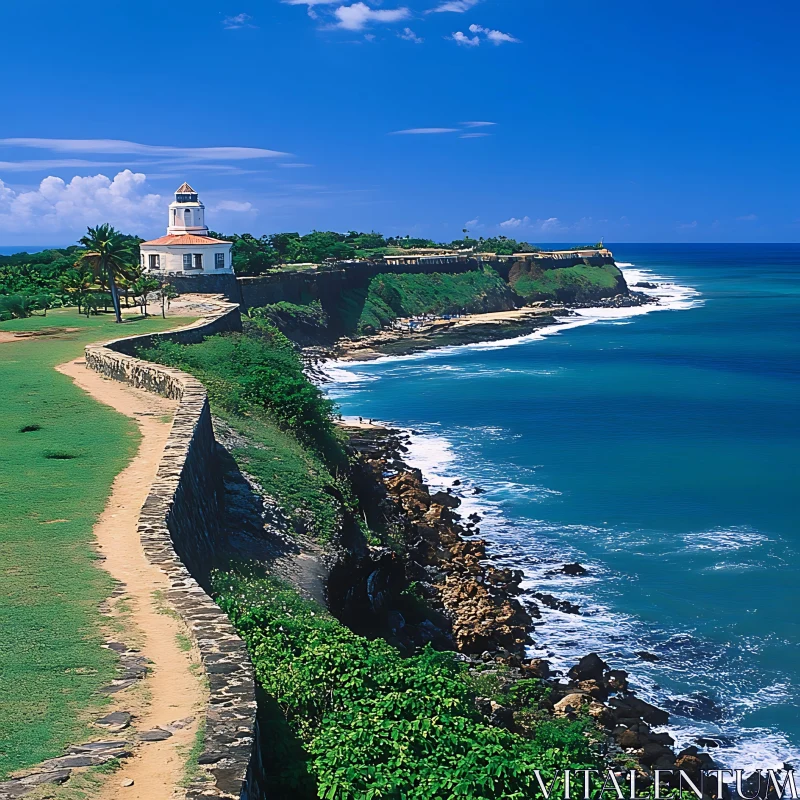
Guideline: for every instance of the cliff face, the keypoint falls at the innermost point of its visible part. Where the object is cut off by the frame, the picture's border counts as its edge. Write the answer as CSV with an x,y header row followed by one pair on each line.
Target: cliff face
x,y
578,283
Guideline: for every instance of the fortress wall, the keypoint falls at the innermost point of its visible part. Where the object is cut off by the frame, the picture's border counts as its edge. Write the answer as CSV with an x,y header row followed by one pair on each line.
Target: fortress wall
x,y
179,526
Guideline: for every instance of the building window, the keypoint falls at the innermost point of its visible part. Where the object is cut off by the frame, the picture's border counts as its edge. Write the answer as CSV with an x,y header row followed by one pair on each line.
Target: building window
x,y
141,260
187,216
198,261
187,260
219,260
154,261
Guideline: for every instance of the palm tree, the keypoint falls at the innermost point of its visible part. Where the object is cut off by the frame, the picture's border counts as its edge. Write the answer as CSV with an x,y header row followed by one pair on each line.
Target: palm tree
x,y
111,255
76,282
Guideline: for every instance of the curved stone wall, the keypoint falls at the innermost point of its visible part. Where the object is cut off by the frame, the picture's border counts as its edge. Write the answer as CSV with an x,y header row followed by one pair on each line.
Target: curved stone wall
x,y
180,533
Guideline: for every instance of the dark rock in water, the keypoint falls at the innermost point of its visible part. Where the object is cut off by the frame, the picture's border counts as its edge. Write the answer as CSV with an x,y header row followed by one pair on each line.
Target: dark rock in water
x,y
716,741
645,656
633,707
456,482
590,667
478,490
445,499
557,605
696,706
574,569
645,285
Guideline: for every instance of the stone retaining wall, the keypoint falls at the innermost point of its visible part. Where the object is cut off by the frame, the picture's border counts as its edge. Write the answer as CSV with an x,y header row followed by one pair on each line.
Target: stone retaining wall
x,y
179,526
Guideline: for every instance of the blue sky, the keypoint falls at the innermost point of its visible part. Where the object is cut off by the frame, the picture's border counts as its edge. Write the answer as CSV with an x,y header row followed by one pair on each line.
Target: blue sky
x,y
658,121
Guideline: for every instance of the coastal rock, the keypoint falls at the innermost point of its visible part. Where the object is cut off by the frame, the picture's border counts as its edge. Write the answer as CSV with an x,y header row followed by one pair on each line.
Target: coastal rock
x,y
570,704
574,569
536,668
590,667
445,499
645,656
631,706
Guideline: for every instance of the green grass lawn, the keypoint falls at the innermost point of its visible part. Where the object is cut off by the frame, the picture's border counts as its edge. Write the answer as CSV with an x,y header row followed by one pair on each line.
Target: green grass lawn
x,y
54,481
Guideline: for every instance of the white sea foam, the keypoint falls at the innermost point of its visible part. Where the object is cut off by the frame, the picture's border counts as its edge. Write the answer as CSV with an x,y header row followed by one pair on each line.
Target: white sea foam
x,y
538,547
725,539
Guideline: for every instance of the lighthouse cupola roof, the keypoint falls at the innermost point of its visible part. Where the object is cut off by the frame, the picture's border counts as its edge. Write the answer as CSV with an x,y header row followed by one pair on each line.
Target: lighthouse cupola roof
x,y
185,194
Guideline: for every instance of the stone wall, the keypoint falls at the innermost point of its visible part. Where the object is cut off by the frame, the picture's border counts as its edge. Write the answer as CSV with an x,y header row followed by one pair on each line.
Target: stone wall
x,y
179,526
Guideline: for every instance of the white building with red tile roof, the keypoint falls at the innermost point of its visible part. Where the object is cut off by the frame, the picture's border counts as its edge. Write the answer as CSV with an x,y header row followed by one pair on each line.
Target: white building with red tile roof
x,y
187,248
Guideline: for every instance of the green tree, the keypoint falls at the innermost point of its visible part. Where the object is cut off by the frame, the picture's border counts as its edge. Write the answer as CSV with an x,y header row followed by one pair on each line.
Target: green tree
x,y
17,306
167,294
75,283
143,287
111,254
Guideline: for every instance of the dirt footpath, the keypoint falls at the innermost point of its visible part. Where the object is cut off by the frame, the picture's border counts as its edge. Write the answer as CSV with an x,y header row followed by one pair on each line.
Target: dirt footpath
x,y
173,689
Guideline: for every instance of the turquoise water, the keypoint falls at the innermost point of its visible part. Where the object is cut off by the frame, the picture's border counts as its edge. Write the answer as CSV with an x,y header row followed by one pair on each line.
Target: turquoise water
x,y
661,451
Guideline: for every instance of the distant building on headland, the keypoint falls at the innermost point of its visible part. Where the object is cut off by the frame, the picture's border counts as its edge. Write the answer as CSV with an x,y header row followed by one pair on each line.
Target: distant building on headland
x,y
187,248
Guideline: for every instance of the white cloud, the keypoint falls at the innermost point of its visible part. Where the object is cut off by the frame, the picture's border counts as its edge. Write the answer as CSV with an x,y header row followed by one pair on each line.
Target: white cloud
x,y
747,218
688,225
549,225
495,37
294,165
460,38
474,135
357,16
121,147
425,131
56,206
514,222
477,124
410,36
471,223
310,2
237,21
233,205
458,6
37,165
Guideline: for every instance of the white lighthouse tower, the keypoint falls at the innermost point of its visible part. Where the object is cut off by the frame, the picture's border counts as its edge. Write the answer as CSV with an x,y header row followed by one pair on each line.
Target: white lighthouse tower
x,y
187,248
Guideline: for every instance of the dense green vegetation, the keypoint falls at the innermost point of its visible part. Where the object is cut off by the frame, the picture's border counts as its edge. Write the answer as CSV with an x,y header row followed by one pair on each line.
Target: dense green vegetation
x,y
366,723
391,296
60,451
253,255
570,281
256,383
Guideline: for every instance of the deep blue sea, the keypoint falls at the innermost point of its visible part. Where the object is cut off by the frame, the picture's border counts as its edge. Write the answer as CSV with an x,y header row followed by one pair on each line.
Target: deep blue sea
x,y
10,250
661,451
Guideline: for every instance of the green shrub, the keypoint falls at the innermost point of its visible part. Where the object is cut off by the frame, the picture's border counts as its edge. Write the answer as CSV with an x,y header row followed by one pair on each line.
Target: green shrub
x,y
376,725
260,370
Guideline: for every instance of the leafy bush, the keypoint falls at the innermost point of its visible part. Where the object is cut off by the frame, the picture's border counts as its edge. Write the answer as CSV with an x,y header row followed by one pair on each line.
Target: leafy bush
x,y
260,370
376,725
16,306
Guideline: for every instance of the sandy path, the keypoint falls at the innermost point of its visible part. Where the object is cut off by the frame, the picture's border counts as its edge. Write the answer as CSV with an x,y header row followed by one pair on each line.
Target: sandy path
x,y
172,691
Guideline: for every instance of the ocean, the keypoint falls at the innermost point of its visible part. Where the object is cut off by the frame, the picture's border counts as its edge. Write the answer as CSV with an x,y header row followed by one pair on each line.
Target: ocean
x,y
658,447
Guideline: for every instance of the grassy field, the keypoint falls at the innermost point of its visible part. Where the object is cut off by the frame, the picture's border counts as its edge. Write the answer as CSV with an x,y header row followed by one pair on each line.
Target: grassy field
x,y
59,453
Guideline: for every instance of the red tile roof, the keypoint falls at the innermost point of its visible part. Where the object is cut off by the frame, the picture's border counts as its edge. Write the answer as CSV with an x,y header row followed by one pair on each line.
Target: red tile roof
x,y
186,238
185,189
